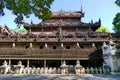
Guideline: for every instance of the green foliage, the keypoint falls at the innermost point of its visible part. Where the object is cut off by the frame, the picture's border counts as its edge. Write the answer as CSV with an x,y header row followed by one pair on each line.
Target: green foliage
x,y
40,8
116,20
102,29
117,2
20,30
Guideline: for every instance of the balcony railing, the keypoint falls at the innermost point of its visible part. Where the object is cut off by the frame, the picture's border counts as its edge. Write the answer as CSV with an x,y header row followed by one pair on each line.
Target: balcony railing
x,y
52,39
45,53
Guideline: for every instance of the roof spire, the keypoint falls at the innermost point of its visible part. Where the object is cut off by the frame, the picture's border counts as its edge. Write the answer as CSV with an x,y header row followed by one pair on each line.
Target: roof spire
x,y
92,21
99,20
61,10
89,27
81,9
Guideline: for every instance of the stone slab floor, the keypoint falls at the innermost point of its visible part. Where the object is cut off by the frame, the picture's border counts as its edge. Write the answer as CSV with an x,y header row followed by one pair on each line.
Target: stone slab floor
x,y
61,77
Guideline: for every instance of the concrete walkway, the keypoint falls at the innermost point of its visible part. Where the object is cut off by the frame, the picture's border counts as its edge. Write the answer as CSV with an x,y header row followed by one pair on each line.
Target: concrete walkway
x,y
60,77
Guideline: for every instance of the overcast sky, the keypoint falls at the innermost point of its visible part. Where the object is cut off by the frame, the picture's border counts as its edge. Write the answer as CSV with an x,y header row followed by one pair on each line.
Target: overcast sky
x,y
94,9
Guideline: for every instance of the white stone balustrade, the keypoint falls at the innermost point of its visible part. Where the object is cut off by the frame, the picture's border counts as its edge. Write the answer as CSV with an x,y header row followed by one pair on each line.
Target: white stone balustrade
x,y
19,69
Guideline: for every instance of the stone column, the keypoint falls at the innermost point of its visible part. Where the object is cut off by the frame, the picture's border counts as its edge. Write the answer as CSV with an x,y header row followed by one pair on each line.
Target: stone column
x,y
61,61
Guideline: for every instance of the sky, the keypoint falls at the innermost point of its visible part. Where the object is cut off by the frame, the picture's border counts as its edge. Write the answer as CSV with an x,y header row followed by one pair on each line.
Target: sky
x,y
93,9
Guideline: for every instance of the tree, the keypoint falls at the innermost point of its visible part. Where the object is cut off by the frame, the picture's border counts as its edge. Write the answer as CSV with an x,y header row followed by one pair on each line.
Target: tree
x,y
19,30
117,2
20,8
116,20
102,29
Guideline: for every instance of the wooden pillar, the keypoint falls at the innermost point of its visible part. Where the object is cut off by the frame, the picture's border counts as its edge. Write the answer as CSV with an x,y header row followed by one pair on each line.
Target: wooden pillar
x,y
45,63
28,62
95,63
61,61
9,62
88,63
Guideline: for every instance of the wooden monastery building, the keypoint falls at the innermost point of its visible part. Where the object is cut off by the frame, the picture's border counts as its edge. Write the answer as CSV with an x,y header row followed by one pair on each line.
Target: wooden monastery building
x,y
63,37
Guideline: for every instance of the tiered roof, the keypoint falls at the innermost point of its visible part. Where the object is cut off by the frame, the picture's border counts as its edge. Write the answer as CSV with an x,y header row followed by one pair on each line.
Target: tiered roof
x,y
63,14
65,20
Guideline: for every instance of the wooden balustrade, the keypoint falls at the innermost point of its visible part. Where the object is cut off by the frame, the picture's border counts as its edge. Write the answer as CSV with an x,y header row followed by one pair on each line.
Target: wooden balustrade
x,y
45,53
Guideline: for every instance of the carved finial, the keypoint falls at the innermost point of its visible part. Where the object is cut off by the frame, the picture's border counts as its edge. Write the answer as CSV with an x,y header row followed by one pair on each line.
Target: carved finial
x,y
46,46
13,45
64,62
5,62
62,45
19,63
89,27
78,44
60,22
30,45
78,62
61,10
5,25
29,31
111,42
93,44
31,22
105,45
110,36
99,20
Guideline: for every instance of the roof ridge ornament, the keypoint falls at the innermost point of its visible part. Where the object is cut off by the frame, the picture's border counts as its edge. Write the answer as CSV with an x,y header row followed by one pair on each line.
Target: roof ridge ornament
x,y
93,46
78,44
61,10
